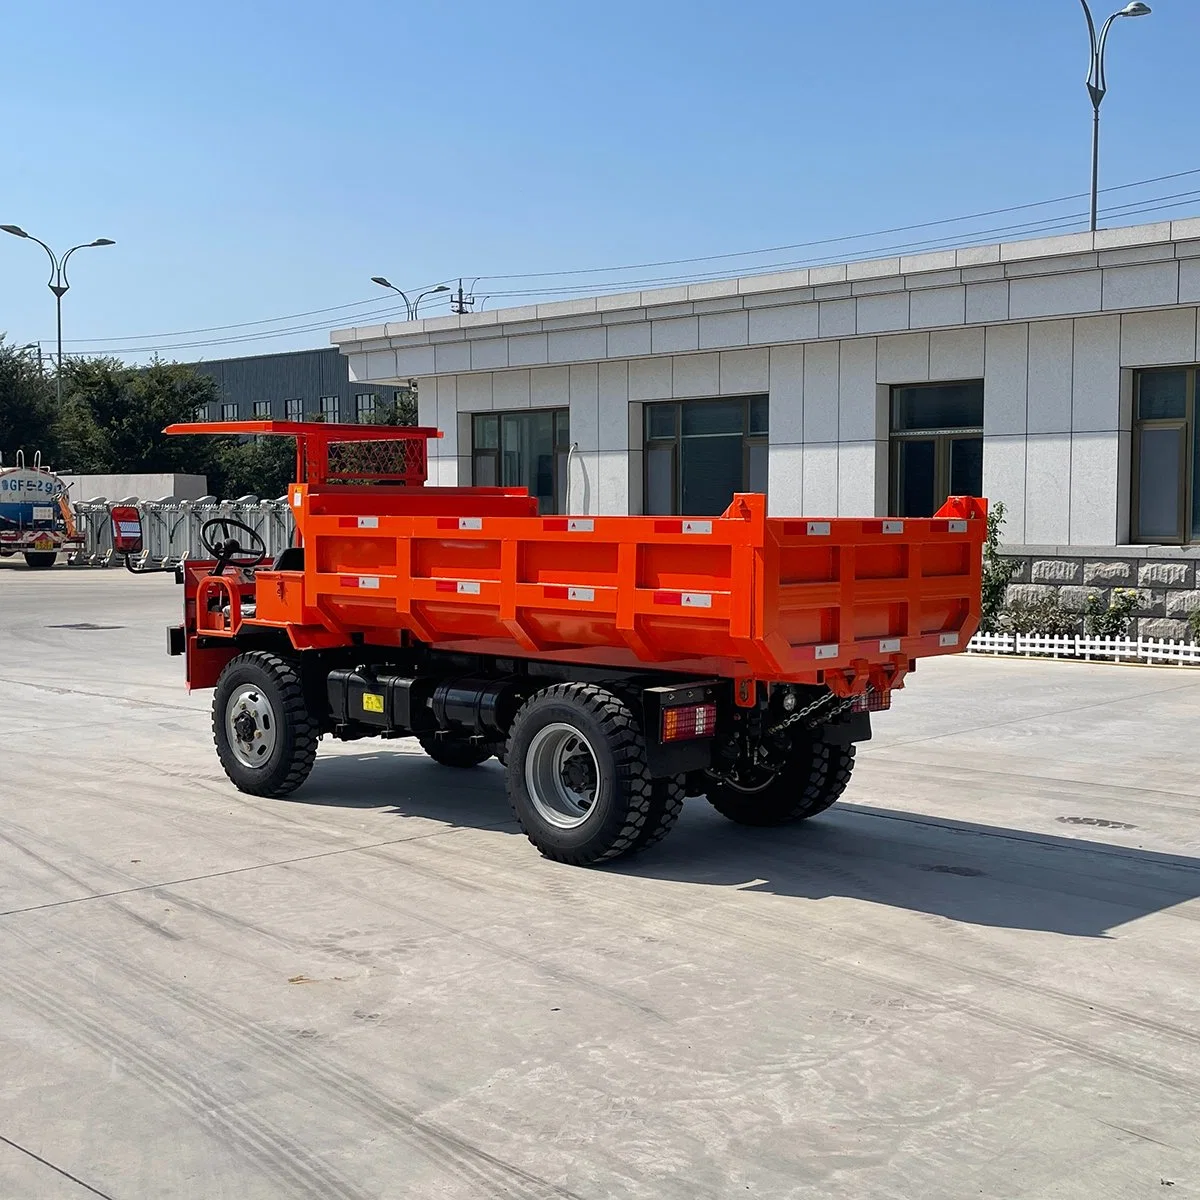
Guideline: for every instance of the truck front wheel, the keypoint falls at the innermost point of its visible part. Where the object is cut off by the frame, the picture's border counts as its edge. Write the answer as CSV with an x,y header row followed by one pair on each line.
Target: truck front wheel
x,y
265,737
40,560
577,775
814,776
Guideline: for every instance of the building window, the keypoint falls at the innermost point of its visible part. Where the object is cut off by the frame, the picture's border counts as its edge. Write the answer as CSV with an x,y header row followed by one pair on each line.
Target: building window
x,y
330,408
262,410
229,412
937,445
293,410
698,453
364,407
201,413
1166,456
524,449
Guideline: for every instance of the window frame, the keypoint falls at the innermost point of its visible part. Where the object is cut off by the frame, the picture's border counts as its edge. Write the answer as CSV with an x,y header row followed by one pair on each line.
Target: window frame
x,y
227,414
1189,452
942,436
361,410
262,410
750,440
330,408
293,408
560,451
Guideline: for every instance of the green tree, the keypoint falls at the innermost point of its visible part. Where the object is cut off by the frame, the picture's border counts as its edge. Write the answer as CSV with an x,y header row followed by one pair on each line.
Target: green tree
x,y
402,410
27,415
262,467
998,571
113,418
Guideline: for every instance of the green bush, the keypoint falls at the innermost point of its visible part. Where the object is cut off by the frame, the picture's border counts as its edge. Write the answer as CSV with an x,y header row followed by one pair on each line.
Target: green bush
x,y
1194,625
1111,621
1046,616
998,571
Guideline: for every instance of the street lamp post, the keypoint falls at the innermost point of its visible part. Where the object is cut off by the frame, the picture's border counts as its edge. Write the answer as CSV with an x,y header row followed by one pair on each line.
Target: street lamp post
x,y
1097,86
410,305
59,284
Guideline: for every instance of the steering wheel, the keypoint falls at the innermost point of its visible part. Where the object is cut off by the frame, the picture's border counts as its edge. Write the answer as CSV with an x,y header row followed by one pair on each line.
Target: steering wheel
x,y
229,551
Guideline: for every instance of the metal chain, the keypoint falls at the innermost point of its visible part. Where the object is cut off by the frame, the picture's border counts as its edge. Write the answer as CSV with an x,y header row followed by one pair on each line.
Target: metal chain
x,y
804,713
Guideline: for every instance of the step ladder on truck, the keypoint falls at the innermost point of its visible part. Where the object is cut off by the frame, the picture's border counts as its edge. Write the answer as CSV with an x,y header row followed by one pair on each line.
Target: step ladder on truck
x,y
613,664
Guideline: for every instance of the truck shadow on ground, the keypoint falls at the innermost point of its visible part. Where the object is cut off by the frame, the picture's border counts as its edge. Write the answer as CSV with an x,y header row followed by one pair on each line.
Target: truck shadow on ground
x,y
957,870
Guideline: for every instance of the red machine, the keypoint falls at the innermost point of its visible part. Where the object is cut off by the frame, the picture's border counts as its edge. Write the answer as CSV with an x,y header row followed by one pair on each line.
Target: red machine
x,y
614,664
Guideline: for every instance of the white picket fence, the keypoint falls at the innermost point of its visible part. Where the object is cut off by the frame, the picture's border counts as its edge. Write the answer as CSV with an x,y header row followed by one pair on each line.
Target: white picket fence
x,y
1040,645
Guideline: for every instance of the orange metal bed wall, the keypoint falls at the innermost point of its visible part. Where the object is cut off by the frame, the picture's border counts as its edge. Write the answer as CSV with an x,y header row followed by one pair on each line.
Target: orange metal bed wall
x,y
784,599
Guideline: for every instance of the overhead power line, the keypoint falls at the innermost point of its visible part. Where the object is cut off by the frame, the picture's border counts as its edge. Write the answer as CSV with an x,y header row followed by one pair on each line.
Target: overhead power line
x,y
151,343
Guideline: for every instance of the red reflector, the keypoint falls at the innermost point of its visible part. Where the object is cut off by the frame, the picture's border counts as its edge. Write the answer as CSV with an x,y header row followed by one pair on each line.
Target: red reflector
x,y
688,721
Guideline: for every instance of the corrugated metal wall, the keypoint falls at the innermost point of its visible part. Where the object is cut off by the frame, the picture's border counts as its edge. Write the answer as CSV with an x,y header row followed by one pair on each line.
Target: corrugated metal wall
x,y
304,375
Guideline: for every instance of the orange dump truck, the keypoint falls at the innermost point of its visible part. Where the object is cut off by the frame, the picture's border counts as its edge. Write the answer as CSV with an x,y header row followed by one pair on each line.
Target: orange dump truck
x,y
614,664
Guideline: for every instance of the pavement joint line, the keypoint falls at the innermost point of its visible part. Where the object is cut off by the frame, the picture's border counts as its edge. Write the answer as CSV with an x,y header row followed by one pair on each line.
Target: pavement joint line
x,y
283,862
67,691
87,1187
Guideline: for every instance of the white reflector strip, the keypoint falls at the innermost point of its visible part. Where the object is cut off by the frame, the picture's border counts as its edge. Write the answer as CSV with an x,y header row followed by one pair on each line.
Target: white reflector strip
x,y
826,652
470,522
696,600
296,500
889,646
697,527
588,594
948,639
580,525
893,527
368,522
818,529
371,582
958,527
467,589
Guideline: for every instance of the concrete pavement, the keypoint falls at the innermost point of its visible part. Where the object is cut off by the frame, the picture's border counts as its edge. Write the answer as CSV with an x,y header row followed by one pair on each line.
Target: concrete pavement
x,y
975,976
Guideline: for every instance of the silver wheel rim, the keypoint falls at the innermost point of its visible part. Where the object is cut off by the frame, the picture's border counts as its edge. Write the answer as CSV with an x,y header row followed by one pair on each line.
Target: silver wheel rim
x,y
562,775
251,726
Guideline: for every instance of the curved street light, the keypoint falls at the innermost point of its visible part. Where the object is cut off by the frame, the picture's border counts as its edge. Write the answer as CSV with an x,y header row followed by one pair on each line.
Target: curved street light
x,y
59,284
410,305
1097,85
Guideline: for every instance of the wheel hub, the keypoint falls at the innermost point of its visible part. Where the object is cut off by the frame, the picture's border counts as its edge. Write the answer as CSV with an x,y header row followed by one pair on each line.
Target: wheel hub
x,y
250,726
562,775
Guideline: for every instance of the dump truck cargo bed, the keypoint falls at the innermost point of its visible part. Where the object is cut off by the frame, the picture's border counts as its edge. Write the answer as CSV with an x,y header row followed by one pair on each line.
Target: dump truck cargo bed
x,y
739,595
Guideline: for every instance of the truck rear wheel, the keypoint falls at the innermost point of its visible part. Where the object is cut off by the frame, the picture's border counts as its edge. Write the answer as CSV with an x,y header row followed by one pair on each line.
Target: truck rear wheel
x,y
577,776
451,752
813,778
265,737
40,560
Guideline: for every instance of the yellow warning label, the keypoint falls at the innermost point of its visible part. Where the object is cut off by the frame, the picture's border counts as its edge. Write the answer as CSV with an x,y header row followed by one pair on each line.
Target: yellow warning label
x,y
372,703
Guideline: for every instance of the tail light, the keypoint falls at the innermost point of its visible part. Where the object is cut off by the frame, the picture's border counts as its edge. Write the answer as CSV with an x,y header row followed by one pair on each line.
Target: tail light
x,y
688,721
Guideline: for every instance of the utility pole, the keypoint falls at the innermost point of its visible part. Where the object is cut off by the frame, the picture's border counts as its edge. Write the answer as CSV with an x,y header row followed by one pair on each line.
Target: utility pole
x,y
459,302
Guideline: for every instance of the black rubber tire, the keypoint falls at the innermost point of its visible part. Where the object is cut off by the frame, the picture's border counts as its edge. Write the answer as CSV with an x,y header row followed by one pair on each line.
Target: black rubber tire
x,y
450,752
666,803
296,737
815,776
40,560
625,795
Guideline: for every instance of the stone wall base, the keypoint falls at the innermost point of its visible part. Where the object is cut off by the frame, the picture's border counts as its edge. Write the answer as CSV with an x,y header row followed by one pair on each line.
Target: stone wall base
x,y
1167,580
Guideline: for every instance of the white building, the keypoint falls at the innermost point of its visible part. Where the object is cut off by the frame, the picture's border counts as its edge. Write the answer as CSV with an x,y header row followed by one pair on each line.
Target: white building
x,y
1058,375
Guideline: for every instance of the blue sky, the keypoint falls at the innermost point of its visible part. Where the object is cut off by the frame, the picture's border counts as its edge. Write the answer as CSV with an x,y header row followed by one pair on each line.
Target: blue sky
x,y
262,159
